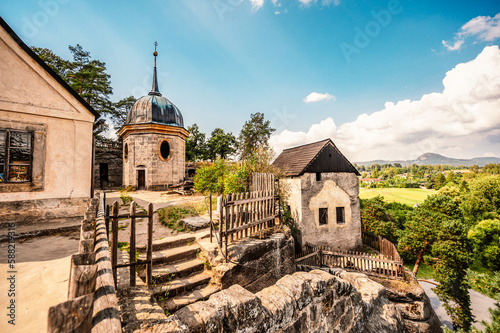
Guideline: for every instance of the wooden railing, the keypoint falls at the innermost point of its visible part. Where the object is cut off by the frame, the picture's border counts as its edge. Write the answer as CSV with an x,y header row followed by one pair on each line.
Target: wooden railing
x,y
92,305
382,245
371,264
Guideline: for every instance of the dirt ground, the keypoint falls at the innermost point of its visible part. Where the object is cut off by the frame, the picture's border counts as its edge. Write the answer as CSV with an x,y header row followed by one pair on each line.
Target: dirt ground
x,y
41,280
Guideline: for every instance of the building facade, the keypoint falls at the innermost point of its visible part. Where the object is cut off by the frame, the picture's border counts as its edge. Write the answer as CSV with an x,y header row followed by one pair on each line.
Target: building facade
x,y
46,138
153,142
323,194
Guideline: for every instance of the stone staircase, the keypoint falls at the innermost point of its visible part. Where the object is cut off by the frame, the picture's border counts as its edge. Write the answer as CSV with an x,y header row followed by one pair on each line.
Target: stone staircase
x,y
179,277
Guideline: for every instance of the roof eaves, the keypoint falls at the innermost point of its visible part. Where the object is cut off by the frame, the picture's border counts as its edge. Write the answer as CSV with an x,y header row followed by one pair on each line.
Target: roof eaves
x,y
47,68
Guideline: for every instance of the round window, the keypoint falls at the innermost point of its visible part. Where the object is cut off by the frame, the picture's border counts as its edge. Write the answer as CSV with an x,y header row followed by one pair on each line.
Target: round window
x,y
125,151
164,150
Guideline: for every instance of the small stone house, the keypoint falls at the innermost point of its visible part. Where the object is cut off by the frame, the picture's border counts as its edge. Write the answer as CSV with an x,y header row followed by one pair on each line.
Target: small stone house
x,y
46,138
323,194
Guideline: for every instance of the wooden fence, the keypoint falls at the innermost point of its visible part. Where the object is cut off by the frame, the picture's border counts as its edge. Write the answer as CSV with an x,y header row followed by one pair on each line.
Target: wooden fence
x,y
262,182
149,245
246,214
92,305
382,245
371,264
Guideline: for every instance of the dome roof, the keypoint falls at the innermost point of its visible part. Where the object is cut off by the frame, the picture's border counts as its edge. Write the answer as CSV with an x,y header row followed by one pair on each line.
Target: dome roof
x,y
154,108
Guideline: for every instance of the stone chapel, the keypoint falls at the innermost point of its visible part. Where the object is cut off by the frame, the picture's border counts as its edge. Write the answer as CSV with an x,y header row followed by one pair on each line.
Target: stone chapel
x,y
153,142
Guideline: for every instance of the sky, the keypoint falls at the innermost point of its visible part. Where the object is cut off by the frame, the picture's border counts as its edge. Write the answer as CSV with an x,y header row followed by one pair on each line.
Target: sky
x,y
383,79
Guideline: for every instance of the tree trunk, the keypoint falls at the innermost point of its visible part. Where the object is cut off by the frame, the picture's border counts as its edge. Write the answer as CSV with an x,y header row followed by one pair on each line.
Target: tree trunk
x,y
419,258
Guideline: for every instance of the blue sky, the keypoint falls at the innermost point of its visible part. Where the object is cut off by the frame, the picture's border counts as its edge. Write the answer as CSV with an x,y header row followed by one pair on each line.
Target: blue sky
x,y
221,60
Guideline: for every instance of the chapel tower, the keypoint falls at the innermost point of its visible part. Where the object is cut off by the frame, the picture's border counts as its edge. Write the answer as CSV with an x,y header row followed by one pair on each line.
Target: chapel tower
x,y
154,140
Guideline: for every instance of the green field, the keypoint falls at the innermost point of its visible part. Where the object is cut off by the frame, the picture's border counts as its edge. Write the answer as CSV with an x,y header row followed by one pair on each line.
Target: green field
x,y
409,196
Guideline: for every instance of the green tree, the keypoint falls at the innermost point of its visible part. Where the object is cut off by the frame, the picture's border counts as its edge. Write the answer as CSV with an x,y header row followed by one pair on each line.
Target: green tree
x,y
439,181
422,226
453,250
87,76
196,145
118,114
56,63
254,134
376,220
221,144
485,237
482,201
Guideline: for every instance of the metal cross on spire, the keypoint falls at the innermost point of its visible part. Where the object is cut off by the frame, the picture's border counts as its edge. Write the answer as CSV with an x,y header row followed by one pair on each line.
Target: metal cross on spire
x,y
154,89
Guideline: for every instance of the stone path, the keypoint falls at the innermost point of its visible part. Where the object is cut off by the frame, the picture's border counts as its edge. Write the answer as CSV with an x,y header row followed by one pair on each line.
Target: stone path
x,y
479,304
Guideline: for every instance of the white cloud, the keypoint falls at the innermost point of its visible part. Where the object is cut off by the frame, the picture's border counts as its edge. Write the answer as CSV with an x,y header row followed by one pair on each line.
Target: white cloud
x,y
462,120
256,4
276,3
306,2
316,97
453,46
484,28
276,13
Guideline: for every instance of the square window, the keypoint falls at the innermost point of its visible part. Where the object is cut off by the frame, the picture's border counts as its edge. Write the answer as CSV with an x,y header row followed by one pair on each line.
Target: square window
x,y
340,215
323,216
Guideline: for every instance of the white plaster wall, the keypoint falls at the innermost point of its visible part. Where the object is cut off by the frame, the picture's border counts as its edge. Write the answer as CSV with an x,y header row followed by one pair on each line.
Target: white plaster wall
x,y
294,200
29,94
334,190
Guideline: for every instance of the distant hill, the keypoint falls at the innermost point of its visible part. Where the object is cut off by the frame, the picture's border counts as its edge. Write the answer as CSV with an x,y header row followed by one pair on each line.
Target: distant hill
x,y
433,159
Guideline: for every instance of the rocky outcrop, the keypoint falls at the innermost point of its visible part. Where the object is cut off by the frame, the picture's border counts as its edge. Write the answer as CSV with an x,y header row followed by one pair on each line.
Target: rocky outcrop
x,y
255,263
413,303
315,301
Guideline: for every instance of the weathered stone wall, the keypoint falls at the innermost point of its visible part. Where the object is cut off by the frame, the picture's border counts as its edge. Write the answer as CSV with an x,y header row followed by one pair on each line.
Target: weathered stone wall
x,y
114,158
333,190
303,302
41,211
143,154
264,261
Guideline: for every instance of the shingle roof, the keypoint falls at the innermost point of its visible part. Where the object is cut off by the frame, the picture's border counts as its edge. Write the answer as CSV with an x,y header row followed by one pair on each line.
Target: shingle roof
x,y
295,161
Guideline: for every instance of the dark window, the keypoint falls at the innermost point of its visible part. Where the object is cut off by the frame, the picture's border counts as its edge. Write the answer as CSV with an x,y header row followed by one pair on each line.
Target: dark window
x,y
125,151
15,156
340,215
164,149
318,176
323,216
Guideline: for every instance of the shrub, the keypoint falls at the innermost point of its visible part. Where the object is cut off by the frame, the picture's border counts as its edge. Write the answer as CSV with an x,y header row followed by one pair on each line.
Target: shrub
x,y
485,237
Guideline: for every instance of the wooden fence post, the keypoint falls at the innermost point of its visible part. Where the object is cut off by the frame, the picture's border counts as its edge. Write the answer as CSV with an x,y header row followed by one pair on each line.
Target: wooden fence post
x,y
114,243
149,247
82,275
132,244
72,316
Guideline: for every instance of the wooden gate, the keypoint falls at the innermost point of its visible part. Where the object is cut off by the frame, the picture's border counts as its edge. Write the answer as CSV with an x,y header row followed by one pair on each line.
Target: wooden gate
x,y
247,214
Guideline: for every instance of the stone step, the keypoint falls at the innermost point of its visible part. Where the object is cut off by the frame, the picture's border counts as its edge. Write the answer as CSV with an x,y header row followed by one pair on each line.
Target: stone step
x,y
180,285
169,242
175,303
171,256
165,273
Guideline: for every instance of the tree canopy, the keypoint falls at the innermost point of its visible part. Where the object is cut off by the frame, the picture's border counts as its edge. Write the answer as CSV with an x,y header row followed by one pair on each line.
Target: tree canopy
x,y
254,134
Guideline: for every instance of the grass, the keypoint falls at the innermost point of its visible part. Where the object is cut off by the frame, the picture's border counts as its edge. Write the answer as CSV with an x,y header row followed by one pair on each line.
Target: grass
x,y
409,196
170,216
424,271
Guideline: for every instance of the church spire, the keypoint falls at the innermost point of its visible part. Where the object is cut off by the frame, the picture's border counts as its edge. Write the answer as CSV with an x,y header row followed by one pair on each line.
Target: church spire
x,y
154,89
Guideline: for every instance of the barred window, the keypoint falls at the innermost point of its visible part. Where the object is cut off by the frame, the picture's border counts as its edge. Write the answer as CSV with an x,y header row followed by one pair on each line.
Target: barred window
x,y
16,155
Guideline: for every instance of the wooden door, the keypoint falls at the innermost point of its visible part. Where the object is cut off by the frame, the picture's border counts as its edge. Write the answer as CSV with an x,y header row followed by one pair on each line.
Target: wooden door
x,y
141,179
